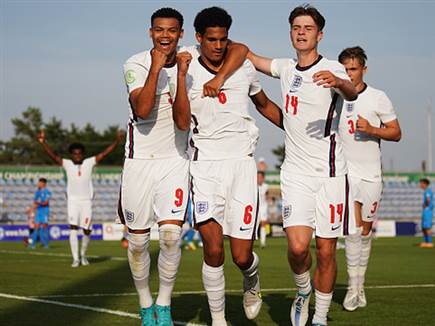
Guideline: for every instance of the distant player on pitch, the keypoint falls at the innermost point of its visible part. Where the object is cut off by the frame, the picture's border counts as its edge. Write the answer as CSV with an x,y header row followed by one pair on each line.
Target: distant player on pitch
x,y
155,177
363,124
223,170
263,188
427,213
79,192
314,185
41,207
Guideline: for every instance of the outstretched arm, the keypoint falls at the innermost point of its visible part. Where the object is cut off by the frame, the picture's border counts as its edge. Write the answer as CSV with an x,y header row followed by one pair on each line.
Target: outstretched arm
x,y
181,107
142,99
391,130
48,150
108,150
268,109
234,59
262,64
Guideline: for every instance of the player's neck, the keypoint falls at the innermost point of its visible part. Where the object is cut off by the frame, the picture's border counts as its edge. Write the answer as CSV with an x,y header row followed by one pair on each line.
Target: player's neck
x,y
212,65
171,60
360,87
307,58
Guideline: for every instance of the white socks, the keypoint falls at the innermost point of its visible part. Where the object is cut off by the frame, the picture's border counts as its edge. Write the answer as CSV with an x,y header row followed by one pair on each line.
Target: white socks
x,y
74,244
169,260
323,302
262,236
214,283
303,282
85,243
251,274
139,260
366,243
353,257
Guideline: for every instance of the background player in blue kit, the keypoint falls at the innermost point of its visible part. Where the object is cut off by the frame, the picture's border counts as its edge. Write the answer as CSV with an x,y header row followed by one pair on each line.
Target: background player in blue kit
x,y
41,207
427,213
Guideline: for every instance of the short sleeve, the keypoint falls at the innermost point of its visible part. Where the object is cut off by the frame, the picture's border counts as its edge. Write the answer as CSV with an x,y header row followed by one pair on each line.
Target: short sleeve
x,y
385,109
252,75
279,66
48,194
36,197
135,75
91,161
66,164
338,70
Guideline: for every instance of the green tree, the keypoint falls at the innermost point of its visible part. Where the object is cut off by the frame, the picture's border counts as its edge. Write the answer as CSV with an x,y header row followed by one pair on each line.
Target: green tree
x,y
280,153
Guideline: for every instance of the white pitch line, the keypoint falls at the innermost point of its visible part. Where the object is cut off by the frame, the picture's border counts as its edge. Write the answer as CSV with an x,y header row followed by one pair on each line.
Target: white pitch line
x,y
83,307
36,253
372,287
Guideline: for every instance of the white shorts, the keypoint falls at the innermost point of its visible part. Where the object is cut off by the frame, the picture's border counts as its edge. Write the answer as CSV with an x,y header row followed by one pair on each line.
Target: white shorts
x,y
153,191
368,194
320,203
227,192
80,213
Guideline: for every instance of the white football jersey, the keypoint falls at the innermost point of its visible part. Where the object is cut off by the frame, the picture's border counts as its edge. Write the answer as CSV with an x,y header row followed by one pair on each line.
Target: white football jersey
x,y
79,179
222,127
311,115
157,136
262,191
362,152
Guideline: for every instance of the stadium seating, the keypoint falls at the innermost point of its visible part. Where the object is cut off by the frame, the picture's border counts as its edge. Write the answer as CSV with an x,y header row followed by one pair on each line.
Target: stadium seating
x,y
401,200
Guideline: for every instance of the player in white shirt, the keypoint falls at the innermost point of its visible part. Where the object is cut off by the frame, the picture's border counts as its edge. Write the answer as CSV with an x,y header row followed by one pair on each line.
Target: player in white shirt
x,y
223,170
155,185
313,176
363,124
79,192
263,188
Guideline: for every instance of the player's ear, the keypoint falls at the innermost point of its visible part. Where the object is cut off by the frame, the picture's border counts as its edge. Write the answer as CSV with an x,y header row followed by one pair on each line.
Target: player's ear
x,y
365,70
150,32
319,36
181,33
198,37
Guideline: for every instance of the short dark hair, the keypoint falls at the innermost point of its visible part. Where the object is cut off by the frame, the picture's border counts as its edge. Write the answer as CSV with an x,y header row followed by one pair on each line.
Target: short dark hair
x,y
168,13
308,10
425,181
261,172
44,180
355,52
74,146
212,17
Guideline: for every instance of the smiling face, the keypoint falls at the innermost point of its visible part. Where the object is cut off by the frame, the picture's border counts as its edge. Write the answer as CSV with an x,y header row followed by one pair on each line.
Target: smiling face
x,y
304,34
213,43
165,34
77,156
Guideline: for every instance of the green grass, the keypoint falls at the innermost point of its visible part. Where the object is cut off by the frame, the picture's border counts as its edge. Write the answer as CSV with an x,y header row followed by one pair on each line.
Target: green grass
x,y
394,261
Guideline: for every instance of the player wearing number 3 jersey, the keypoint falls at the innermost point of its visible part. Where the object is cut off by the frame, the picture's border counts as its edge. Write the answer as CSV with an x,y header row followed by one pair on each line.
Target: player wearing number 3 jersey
x,y
224,174
313,176
155,185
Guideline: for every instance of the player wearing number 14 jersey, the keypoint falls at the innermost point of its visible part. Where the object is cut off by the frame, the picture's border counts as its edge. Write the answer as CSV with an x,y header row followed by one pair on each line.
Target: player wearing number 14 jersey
x,y
313,176
363,124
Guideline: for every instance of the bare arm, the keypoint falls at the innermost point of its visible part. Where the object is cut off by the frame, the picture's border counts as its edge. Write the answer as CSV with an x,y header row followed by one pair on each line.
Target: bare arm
x,y
391,130
181,107
234,58
268,109
48,150
142,99
110,148
327,79
262,64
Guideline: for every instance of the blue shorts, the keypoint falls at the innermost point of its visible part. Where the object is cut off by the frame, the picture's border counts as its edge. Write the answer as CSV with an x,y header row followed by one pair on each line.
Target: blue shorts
x,y
426,220
41,217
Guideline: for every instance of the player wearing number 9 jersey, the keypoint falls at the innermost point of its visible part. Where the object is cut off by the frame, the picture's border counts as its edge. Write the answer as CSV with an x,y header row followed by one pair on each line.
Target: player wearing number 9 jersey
x,y
155,184
223,170
363,124
313,176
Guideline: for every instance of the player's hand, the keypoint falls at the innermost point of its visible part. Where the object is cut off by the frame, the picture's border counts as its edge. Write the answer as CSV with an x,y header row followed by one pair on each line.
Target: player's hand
x,y
41,136
158,60
326,79
183,61
363,125
120,135
212,87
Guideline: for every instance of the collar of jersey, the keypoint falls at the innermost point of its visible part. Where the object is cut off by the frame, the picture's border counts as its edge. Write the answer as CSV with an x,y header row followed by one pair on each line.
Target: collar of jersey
x,y
311,65
202,63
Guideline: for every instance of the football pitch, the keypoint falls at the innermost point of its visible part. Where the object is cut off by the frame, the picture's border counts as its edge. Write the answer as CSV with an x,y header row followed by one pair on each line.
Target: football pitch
x,y
38,287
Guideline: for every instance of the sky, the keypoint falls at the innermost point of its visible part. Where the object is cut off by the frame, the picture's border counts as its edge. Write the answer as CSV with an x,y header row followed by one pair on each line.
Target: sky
x,y
66,58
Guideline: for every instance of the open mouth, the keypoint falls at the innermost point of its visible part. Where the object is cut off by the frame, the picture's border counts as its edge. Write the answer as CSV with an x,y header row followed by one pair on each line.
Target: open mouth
x,y
165,44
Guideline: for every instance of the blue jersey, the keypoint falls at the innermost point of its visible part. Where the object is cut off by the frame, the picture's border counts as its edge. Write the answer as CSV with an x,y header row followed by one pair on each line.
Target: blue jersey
x,y
42,195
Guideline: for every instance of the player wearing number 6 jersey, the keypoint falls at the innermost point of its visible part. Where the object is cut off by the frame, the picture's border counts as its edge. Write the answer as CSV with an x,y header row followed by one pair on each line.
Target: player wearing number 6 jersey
x,y
224,174
363,124
155,175
313,176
